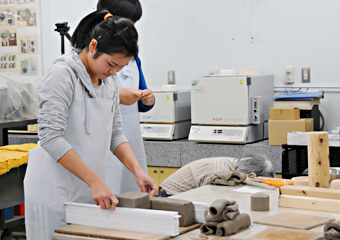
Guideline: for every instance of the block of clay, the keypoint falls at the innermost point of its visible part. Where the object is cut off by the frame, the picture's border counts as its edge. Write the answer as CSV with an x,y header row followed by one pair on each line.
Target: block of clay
x,y
219,205
259,202
238,177
218,218
230,215
226,228
335,225
209,228
134,200
184,208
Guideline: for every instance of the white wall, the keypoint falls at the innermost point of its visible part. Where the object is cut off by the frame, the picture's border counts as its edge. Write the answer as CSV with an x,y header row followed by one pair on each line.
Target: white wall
x,y
193,36
54,11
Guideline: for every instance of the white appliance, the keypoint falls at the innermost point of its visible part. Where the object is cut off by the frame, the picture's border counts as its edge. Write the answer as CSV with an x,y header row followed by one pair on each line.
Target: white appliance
x,y
170,118
230,109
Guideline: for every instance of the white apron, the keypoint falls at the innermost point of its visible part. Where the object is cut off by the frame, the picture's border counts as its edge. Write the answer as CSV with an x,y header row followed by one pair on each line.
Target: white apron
x,y
48,184
118,177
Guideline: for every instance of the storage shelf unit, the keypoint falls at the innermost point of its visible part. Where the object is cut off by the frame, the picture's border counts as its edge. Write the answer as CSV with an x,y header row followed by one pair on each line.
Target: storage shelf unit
x,y
11,183
4,126
295,160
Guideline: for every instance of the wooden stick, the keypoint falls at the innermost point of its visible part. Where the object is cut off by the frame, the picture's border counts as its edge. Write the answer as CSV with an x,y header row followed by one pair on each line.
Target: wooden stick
x,y
305,191
310,203
318,159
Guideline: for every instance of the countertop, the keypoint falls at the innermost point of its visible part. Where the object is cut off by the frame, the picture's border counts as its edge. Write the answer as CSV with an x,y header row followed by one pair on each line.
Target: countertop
x,y
210,193
177,153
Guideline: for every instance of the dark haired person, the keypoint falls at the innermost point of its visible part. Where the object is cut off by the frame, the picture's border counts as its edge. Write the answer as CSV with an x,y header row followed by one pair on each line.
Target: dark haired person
x,y
79,123
198,173
134,97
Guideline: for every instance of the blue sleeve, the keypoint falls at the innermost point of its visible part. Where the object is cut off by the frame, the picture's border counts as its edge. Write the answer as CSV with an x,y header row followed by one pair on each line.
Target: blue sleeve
x,y
142,86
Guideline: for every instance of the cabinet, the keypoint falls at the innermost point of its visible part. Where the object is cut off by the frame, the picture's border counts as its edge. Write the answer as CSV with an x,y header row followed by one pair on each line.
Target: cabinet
x,y
11,183
160,173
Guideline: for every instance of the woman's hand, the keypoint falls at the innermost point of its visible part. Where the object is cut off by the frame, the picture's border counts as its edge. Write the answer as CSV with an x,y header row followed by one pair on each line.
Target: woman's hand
x,y
102,195
125,154
129,96
148,97
100,191
146,183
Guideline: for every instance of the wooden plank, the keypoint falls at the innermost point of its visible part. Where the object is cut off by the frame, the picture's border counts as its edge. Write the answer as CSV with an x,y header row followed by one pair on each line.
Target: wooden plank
x,y
318,159
309,203
61,236
286,234
106,233
294,220
272,233
305,191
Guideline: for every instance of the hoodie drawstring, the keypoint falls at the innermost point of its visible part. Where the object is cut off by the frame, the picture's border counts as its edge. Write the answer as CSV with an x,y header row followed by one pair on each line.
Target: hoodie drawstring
x,y
86,121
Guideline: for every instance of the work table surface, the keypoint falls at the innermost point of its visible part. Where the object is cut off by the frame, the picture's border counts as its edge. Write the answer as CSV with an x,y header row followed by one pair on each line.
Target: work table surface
x,y
210,193
177,153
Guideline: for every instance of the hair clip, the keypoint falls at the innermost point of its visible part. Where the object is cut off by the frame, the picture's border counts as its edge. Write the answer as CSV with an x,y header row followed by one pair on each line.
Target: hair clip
x,y
100,36
107,16
121,31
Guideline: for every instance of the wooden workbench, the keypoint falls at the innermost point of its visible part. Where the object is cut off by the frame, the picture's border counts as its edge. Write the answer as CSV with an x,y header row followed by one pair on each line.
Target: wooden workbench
x,y
210,193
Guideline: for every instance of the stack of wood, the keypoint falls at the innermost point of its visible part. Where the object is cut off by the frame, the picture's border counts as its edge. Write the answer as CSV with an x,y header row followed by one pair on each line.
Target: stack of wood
x,y
311,198
318,195
136,211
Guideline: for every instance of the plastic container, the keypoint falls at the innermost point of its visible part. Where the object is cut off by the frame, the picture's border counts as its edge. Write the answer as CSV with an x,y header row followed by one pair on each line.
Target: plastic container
x,y
19,209
295,160
9,213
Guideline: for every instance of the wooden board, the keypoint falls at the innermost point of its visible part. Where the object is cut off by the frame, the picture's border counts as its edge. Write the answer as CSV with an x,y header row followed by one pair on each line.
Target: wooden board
x,y
304,191
310,203
106,233
294,220
285,234
318,159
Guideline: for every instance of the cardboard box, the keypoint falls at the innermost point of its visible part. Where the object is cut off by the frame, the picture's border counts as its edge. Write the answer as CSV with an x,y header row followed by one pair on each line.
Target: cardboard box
x,y
278,129
284,113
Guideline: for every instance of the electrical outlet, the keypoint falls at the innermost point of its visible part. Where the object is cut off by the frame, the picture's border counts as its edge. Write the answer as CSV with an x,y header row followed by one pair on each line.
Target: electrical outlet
x,y
171,77
305,75
289,75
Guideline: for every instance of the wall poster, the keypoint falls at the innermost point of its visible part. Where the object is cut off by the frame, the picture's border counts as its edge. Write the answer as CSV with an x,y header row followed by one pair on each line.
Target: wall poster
x,y
20,52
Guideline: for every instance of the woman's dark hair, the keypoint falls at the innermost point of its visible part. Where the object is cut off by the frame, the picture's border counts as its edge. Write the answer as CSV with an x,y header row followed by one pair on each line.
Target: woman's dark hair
x,y
131,9
114,35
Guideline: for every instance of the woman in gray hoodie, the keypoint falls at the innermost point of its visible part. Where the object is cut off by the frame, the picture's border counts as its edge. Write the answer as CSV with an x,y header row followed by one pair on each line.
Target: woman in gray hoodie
x,y
79,123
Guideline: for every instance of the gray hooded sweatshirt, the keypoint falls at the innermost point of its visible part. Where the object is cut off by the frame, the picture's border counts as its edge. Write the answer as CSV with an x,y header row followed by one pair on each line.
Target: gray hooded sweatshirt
x,y
55,99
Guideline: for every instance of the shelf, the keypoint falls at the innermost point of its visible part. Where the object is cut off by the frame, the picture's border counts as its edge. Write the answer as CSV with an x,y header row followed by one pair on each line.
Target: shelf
x,y
16,220
5,125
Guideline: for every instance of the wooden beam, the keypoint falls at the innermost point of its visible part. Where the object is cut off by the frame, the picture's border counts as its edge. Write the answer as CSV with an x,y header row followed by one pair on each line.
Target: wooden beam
x,y
309,203
305,191
318,159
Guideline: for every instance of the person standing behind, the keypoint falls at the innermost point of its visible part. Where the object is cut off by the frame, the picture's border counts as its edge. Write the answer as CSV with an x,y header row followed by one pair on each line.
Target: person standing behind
x,y
79,123
134,97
